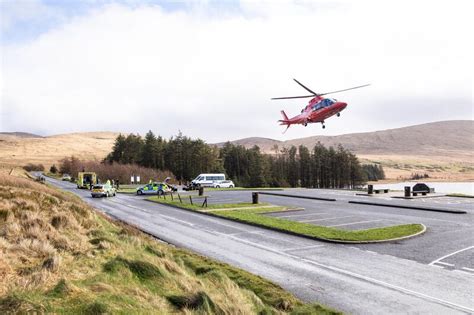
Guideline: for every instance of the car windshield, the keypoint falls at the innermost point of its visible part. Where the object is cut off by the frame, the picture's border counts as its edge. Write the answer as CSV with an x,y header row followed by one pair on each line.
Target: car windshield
x,y
98,187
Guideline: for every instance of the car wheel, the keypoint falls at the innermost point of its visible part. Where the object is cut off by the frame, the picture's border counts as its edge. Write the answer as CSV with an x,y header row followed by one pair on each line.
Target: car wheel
x,y
231,186
139,192
218,186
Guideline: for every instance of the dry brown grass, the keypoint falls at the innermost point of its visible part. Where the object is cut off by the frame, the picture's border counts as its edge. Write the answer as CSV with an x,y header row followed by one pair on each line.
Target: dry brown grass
x,y
18,151
57,255
30,216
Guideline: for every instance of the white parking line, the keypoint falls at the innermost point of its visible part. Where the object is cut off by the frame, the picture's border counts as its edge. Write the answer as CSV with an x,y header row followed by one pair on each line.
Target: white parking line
x,y
468,269
448,255
446,264
300,215
360,222
301,248
325,219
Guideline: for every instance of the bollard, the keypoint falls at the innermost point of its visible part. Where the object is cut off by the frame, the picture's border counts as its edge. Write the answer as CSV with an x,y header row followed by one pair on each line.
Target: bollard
x,y
370,189
407,191
201,191
255,198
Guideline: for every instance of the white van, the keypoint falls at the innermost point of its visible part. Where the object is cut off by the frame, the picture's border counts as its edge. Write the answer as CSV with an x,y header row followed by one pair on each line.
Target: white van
x,y
208,180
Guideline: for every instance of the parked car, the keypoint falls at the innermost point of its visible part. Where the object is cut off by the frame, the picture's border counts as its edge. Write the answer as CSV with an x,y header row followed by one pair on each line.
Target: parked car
x,y
66,177
155,188
224,184
103,190
207,180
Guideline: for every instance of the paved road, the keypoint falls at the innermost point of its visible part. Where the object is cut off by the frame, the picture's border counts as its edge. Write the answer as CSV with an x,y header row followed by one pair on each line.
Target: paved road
x,y
352,279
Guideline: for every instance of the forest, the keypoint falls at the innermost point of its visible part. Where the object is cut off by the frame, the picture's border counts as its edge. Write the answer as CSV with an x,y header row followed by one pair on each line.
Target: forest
x,y
317,167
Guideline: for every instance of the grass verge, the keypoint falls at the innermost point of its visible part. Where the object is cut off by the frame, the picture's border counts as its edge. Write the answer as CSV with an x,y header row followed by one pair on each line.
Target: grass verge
x,y
58,255
254,216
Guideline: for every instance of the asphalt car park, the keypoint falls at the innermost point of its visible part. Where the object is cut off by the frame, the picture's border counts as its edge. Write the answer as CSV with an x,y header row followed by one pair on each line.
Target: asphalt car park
x,y
447,233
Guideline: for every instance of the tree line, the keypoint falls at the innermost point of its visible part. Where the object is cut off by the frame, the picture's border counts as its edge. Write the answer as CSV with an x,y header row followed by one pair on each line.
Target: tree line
x,y
110,171
373,172
318,167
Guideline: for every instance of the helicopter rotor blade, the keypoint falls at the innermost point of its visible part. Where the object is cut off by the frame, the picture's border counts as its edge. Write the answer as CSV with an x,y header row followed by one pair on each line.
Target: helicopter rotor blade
x,y
305,87
290,97
352,88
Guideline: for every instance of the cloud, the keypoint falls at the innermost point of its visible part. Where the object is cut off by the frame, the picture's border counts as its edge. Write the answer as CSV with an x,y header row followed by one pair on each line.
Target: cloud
x,y
210,72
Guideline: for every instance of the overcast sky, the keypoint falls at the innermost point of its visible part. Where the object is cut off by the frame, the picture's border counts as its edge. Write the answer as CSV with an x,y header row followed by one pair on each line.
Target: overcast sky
x,y
210,68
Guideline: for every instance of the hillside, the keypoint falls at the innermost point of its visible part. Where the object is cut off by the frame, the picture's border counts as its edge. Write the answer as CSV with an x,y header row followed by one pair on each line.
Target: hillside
x,y
58,255
445,149
18,149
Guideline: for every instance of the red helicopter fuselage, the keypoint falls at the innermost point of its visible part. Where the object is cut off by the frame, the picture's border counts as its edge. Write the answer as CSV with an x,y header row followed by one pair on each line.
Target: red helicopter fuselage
x,y
317,111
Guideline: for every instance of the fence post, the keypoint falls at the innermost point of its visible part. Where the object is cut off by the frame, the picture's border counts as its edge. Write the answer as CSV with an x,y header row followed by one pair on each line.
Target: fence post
x,y
180,199
191,200
407,191
172,198
370,189
204,203
255,198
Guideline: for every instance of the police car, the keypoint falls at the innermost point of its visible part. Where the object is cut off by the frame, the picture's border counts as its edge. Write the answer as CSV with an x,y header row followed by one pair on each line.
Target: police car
x,y
155,188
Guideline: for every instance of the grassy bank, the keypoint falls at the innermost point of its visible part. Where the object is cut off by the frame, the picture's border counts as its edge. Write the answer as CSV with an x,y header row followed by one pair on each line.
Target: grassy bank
x,y
58,255
254,215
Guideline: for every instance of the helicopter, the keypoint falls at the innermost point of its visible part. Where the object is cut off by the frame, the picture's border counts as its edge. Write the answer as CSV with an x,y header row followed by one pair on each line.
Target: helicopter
x,y
318,109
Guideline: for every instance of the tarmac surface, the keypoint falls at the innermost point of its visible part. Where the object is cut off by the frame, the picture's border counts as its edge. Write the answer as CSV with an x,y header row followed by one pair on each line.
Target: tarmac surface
x,y
430,274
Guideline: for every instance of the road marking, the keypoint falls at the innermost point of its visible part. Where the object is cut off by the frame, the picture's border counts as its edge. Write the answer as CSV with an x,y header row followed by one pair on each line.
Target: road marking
x,y
360,277
347,216
446,264
302,248
240,233
300,215
176,220
448,255
360,222
468,269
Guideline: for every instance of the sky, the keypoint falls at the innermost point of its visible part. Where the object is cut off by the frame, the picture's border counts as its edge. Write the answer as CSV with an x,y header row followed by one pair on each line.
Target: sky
x,y
209,68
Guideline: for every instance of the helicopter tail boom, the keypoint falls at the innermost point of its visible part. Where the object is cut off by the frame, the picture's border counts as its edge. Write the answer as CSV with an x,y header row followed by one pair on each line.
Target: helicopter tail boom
x,y
285,118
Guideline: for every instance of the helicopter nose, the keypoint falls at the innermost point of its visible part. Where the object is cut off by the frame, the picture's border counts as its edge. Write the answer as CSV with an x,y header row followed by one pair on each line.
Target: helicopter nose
x,y
342,105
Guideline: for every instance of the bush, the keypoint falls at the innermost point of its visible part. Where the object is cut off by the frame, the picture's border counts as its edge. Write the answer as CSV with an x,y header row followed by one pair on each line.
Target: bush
x,y
53,169
111,171
33,167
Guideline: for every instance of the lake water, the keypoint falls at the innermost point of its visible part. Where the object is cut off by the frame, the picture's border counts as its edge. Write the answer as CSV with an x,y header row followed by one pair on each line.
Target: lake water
x,y
440,187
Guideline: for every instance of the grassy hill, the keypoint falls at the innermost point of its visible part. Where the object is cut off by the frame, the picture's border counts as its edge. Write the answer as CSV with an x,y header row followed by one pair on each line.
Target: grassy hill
x,y
58,255
444,150
17,149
